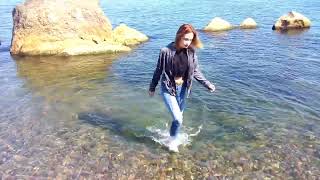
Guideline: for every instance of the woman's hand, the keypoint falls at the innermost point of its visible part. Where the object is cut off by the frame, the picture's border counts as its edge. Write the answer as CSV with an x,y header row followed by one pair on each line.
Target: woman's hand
x,y
212,88
151,93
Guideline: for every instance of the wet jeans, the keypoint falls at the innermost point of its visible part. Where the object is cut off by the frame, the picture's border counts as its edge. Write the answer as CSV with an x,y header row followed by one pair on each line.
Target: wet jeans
x,y
175,105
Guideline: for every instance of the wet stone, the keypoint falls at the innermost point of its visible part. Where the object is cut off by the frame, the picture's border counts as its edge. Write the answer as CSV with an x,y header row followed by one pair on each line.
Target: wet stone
x,y
310,137
317,153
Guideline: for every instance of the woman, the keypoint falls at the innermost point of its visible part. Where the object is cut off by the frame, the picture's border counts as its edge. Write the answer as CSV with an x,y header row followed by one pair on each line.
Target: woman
x,y
178,64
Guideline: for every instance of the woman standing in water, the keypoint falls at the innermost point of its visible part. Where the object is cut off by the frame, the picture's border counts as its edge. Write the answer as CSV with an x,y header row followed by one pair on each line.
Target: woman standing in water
x,y
178,64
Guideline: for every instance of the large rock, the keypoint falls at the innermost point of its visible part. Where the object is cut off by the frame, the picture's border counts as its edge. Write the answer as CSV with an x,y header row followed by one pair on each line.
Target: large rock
x,y
248,23
218,24
128,36
62,27
292,20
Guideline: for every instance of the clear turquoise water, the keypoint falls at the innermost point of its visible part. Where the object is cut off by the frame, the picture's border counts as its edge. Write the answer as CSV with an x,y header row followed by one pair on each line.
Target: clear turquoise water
x,y
86,116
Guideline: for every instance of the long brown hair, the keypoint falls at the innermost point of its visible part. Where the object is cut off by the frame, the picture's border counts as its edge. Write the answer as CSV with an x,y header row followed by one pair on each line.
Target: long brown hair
x,y
185,29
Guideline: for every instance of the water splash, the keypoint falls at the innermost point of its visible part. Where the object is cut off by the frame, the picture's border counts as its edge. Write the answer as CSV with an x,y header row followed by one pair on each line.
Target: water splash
x,y
162,136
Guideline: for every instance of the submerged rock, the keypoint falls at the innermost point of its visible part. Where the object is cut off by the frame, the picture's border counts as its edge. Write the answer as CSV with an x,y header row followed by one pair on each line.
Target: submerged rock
x,y
248,23
75,28
218,24
292,20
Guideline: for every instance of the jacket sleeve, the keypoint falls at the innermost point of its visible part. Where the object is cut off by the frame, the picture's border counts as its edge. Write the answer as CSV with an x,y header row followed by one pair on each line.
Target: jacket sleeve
x,y
157,72
198,74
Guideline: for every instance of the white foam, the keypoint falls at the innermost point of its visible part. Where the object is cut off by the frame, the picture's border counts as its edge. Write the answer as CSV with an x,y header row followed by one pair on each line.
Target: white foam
x,y
162,136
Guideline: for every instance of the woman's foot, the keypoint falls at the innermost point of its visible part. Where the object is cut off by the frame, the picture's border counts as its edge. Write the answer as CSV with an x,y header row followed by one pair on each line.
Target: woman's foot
x,y
173,144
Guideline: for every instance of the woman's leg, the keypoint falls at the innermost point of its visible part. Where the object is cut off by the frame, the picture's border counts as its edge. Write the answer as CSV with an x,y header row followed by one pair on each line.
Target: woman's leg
x,y
175,111
181,91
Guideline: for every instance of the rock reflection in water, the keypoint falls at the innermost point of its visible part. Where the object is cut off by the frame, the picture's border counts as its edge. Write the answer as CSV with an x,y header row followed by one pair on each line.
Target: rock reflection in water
x,y
59,76
65,84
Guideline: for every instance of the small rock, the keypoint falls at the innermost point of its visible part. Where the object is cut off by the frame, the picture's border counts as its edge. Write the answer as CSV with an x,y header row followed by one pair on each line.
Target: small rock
x,y
169,169
310,137
292,20
19,158
276,165
240,168
128,36
218,24
248,23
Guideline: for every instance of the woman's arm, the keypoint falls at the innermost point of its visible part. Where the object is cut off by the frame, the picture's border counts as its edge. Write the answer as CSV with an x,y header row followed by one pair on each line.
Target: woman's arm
x,y
200,77
157,72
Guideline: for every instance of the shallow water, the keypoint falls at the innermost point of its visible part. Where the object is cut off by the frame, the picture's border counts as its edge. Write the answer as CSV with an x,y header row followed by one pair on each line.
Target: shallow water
x,y
88,116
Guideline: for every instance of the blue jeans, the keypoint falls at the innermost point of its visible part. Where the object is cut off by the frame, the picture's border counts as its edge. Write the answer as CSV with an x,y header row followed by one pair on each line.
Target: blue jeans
x,y
175,105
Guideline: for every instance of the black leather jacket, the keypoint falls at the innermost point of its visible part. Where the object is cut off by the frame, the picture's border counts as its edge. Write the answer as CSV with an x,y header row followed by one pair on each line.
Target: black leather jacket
x,y
164,68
